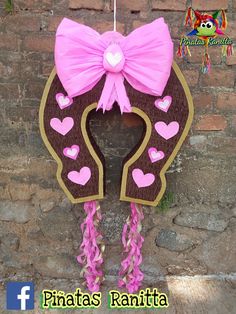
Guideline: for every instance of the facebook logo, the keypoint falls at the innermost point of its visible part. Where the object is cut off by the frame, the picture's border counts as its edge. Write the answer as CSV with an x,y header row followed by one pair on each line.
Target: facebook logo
x,y
20,296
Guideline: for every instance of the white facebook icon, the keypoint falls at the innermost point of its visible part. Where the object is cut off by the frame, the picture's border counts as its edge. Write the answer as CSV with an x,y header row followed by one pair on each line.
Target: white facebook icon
x,y
20,295
23,297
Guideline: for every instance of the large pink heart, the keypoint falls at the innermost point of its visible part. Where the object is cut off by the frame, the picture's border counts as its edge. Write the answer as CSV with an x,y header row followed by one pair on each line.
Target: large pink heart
x,y
142,180
167,131
80,177
71,152
62,127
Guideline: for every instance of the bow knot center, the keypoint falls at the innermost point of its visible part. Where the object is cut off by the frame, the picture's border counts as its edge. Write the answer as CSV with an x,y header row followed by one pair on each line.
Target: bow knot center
x,y
113,59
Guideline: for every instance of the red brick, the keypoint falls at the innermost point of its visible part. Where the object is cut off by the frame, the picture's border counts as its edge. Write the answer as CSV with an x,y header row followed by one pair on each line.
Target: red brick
x,y
202,101
212,122
8,41
138,23
197,53
233,122
30,70
191,77
132,5
234,4
179,5
34,5
223,145
9,91
34,90
131,120
17,23
173,30
88,4
47,69
215,55
174,21
18,114
231,29
39,43
207,5
9,71
54,21
231,60
218,77
226,101
104,26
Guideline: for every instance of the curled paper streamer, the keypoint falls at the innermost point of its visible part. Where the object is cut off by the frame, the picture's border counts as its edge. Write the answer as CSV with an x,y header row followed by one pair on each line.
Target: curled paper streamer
x,y
130,273
91,248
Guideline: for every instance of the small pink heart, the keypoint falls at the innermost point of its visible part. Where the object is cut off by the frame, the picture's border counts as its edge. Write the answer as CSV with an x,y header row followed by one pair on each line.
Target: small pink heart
x,y
80,177
155,155
164,103
62,127
71,152
63,101
167,131
142,180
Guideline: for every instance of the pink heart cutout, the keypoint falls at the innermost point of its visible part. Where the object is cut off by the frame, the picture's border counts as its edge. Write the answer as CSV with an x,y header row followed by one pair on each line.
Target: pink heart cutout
x,y
167,131
62,127
80,177
164,103
155,155
142,180
71,152
63,101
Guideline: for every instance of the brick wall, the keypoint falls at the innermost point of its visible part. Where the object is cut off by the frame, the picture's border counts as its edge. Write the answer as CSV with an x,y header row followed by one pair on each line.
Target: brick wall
x,y
27,42
35,212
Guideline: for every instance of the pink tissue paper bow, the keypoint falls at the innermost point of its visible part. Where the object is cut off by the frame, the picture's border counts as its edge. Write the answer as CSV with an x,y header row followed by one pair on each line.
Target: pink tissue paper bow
x,y
143,58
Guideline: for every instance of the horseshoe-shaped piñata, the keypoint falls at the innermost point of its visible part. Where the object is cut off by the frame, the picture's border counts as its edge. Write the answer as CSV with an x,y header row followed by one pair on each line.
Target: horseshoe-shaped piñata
x,y
96,72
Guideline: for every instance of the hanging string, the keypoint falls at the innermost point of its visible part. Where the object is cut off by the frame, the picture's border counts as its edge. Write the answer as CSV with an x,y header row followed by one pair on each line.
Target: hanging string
x,y
130,273
92,247
114,16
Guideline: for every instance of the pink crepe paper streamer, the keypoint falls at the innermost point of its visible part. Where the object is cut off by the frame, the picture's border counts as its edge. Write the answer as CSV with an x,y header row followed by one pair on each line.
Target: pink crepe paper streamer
x,y
91,248
130,273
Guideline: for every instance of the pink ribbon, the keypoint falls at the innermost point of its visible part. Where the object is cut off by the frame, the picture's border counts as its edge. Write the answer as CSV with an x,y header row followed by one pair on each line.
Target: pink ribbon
x,y
130,273
143,58
91,248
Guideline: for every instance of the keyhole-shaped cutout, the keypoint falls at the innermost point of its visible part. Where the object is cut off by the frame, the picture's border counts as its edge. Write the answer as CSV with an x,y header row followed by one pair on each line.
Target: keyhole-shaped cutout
x,y
116,136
